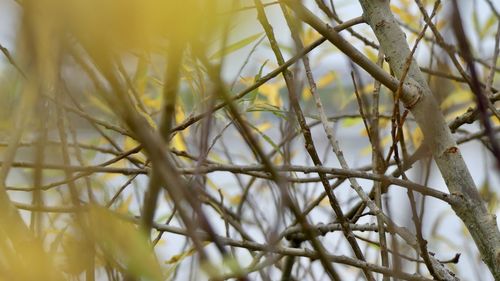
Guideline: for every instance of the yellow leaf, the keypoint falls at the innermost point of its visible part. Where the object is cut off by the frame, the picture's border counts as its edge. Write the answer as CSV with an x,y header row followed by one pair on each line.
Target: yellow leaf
x,y
76,254
271,92
152,103
278,159
124,206
349,122
142,24
458,96
368,88
366,150
109,176
346,100
386,140
94,100
417,137
264,126
404,15
325,202
495,120
306,94
146,116
180,116
178,142
441,24
454,113
247,81
309,36
326,79
123,243
21,254
140,77
161,242
179,257
235,200
235,46
371,54
130,143
213,186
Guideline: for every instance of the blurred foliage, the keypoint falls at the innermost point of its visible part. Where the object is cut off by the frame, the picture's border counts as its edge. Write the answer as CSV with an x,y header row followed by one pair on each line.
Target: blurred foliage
x,y
69,53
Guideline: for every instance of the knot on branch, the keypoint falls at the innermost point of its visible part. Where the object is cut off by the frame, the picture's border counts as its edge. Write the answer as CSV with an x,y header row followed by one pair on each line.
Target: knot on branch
x,y
452,149
412,93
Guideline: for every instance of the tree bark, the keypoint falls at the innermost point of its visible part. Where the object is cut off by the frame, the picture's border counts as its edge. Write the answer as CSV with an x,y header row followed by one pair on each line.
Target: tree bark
x,y
481,225
417,96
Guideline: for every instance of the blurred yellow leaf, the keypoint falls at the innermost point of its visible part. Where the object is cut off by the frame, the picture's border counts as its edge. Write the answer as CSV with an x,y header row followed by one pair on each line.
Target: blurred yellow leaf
x,y
306,94
236,46
495,120
322,82
264,126
147,116
98,103
113,24
152,103
271,92
325,202
459,96
278,159
180,116
140,77
441,24
178,142
309,36
235,200
177,259
370,54
125,205
129,144
489,195
366,150
76,254
490,22
20,251
123,243
347,99
368,89
349,122
417,137
405,16
326,79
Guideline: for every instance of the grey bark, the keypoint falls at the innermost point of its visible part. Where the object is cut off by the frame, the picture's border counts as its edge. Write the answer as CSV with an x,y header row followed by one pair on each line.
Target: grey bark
x,y
481,225
417,96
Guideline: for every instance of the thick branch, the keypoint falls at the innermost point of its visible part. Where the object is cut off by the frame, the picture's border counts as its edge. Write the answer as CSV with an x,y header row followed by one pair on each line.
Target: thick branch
x,y
473,213
417,96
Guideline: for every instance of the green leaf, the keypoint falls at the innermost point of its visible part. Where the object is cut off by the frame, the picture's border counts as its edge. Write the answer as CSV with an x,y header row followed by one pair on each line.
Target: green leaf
x,y
265,107
348,122
176,260
235,46
267,139
475,21
253,94
487,26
